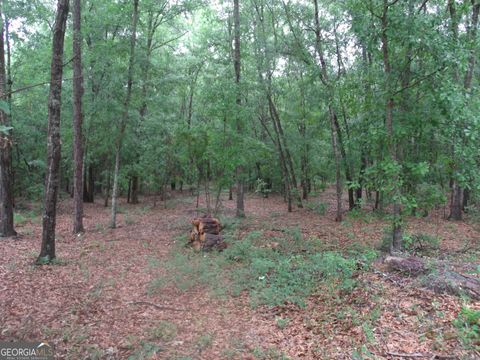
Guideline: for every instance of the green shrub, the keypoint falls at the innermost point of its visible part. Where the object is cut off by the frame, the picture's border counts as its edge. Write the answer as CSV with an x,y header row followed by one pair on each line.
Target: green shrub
x,y
420,243
319,208
287,274
468,327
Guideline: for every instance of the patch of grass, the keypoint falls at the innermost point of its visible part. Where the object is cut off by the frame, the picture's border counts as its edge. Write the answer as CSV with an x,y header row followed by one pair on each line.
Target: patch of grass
x,y
468,327
146,351
318,208
282,322
164,330
420,243
272,276
269,354
204,341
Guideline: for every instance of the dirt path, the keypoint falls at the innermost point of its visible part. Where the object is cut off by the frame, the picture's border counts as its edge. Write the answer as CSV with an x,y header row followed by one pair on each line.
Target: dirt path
x,y
100,301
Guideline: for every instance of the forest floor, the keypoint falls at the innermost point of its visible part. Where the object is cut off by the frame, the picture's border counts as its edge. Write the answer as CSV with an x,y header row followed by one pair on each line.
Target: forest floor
x,y
136,292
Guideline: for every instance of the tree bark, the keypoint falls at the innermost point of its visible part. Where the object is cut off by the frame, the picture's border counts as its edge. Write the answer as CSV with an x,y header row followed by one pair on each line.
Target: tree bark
x,y
397,236
456,202
88,184
236,64
47,253
107,190
324,77
134,190
123,124
6,175
336,154
77,119
456,205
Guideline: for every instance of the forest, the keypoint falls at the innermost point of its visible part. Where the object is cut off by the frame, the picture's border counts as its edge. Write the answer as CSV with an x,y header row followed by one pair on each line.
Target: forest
x,y
240,179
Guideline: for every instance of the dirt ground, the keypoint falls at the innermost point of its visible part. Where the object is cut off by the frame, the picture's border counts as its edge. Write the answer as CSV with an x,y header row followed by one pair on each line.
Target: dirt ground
x,y
95,302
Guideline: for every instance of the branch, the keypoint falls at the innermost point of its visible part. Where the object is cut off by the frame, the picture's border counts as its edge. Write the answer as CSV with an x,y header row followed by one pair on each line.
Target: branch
x,y
415,83
169,41
423,6
412,355
31,86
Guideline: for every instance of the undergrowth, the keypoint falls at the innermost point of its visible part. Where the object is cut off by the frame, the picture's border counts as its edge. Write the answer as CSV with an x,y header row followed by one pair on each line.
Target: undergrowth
x,y
272,275
468,327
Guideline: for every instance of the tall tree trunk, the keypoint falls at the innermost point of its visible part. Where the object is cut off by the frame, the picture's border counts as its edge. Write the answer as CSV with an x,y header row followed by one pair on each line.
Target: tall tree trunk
x,y
107,190
397,236
6,175
456,204
346,163
88,184
77,119
324,77
47,253
134,190
123,124
129,191
336,154
236,64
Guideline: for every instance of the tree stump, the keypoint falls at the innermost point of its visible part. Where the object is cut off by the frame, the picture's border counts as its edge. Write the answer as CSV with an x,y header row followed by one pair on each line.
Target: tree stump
x,y
205,234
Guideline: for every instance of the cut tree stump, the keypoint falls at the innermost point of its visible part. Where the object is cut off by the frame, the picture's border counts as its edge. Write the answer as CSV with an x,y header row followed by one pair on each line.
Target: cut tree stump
x,y
212,242
205,234
441,280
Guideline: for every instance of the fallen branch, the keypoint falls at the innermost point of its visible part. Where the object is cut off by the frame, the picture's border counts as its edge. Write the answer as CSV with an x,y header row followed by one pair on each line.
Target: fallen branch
x,y
405,355
159,307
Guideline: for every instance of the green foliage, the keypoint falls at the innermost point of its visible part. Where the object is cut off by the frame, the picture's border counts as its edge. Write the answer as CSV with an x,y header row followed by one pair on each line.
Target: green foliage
x,y
420,243
286,274
429,196
269,354
468,327
262,187
319,208
145,351
164,330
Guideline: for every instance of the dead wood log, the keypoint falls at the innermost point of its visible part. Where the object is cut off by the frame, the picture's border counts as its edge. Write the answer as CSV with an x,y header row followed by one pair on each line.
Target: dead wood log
x,y
441,280
454,283
411,265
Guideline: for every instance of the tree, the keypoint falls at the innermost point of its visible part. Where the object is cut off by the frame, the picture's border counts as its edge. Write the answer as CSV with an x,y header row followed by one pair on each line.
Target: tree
x,y
6,176
124,120
77,119
236,64
52,177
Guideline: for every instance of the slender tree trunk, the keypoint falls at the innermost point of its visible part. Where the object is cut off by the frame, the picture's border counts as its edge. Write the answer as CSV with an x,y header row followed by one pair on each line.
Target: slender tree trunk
x,y
336,154
107,190
324,77
123,124
134,190
113,222
47,253
236,64
88,184
397,236
77,120
6,175
458,192
346,163
129,191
